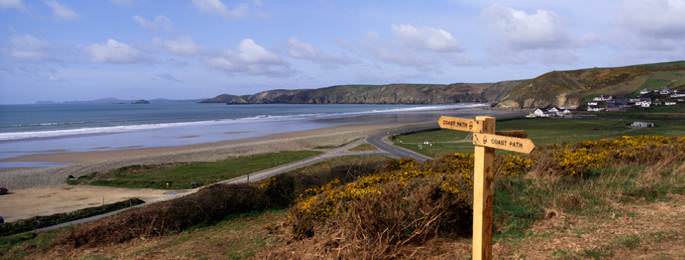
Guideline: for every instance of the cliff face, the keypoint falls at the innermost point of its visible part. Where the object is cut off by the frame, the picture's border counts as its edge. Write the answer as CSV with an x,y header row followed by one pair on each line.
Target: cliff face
x,y
376,94
559,88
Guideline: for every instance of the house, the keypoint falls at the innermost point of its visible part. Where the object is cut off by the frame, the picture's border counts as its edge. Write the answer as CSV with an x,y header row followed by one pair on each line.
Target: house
x,y
634,100
665,91
539,113
553,110
566,112
678,95
644,103
644,91
641,124
670,103
595,109
602,98
592,103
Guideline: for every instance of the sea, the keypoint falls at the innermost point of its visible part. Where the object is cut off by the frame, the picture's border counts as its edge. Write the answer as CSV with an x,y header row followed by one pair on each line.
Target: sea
x,y
50,128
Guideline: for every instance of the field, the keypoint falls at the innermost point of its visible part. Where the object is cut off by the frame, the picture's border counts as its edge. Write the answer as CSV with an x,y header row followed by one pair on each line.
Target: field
x,y
631,205
668,120
190,175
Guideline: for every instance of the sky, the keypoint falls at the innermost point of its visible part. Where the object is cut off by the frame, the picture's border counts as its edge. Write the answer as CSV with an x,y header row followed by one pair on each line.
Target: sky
x,y
184,49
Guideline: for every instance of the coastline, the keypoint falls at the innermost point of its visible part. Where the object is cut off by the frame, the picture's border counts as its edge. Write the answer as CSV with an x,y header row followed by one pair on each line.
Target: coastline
x,y
80,163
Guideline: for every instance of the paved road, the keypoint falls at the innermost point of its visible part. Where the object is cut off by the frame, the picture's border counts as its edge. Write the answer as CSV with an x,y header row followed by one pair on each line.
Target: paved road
x,y
338,152
381,141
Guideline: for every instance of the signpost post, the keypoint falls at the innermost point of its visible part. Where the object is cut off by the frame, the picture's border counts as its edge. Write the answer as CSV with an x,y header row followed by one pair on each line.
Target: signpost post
x,y
485,141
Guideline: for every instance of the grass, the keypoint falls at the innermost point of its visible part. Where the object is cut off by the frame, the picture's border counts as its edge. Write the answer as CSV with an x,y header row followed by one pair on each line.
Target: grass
x,y
190,175
363,148
238,236
555,131
22,245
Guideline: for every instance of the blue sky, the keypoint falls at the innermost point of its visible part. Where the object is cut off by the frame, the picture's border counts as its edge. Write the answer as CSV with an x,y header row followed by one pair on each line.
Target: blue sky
x,y
78,49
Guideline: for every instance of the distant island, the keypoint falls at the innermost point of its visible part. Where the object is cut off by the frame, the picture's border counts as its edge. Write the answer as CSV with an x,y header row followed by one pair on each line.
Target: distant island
x,y
569,89
140,101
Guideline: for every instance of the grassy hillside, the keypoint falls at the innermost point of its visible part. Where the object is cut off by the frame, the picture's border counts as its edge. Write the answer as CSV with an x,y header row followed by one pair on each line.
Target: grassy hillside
x,y
571,88
560,88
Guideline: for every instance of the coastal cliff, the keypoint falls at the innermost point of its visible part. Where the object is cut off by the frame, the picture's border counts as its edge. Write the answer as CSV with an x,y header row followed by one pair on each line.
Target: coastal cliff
x,y
558,88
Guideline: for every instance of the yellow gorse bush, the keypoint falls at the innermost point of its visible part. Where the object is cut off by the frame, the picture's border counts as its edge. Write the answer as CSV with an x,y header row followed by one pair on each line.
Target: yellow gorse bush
x,y
586,156
320,202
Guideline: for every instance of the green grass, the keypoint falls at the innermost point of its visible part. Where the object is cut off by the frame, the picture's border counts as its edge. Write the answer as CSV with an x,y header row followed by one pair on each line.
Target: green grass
x,y
555,131
519,201
20,246
363,148
187,175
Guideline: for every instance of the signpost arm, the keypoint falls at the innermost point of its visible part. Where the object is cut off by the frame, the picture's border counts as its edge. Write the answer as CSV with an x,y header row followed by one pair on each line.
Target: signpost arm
x,y
483,192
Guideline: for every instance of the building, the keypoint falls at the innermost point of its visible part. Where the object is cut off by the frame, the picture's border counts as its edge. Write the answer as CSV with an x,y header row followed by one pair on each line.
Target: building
x,y
644,91
644,103
665,91
602,98
641,124
670,103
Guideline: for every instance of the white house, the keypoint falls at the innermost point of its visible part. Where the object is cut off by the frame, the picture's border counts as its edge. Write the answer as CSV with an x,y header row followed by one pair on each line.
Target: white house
x,y
595,109
666,91
669,103
566,112
592,103
553,110
678,95
644,91
602,98
644,103
539,113
639,124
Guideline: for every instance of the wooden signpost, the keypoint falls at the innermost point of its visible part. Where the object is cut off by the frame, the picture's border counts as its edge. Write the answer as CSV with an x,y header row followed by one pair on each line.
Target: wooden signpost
x,y
485,141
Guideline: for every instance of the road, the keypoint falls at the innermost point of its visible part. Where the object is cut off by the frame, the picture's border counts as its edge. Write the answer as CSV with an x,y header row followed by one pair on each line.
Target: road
x,y
337,152
380,140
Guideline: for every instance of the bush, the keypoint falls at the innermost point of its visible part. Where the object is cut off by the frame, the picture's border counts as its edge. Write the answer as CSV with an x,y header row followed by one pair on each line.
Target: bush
x,y
588,156
207,206
408,202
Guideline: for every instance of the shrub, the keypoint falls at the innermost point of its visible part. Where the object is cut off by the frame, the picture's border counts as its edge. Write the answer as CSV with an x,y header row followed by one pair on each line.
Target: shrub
x,y
408,202
585,157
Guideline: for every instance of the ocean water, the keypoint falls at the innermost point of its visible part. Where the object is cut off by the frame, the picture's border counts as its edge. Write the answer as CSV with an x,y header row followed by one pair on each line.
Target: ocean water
x,y
31,129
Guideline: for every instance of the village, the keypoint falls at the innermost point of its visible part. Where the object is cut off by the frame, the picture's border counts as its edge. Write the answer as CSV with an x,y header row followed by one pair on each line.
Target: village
x,y
646,99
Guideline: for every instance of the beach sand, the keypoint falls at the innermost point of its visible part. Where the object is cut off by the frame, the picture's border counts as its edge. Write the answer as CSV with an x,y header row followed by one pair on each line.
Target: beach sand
x,y
43,201
43,191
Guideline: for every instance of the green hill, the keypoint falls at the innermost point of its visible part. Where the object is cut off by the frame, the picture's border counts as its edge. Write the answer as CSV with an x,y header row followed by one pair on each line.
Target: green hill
x,y
559,88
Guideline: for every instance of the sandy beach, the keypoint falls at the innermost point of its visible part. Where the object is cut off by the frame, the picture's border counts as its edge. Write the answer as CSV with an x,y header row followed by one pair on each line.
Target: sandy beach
x,y
41,191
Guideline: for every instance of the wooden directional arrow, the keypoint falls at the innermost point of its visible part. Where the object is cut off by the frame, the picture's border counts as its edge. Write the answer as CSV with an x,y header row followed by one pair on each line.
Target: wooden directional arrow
x,y
514,144
459,124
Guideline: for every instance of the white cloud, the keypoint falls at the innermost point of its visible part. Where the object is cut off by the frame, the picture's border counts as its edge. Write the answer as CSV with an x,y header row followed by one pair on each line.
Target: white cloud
x,y
250,58
181,46
434,39
159,23
423,48
16,4
113,51
306,51
27,47
60,10
218,7
659,19
519,30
